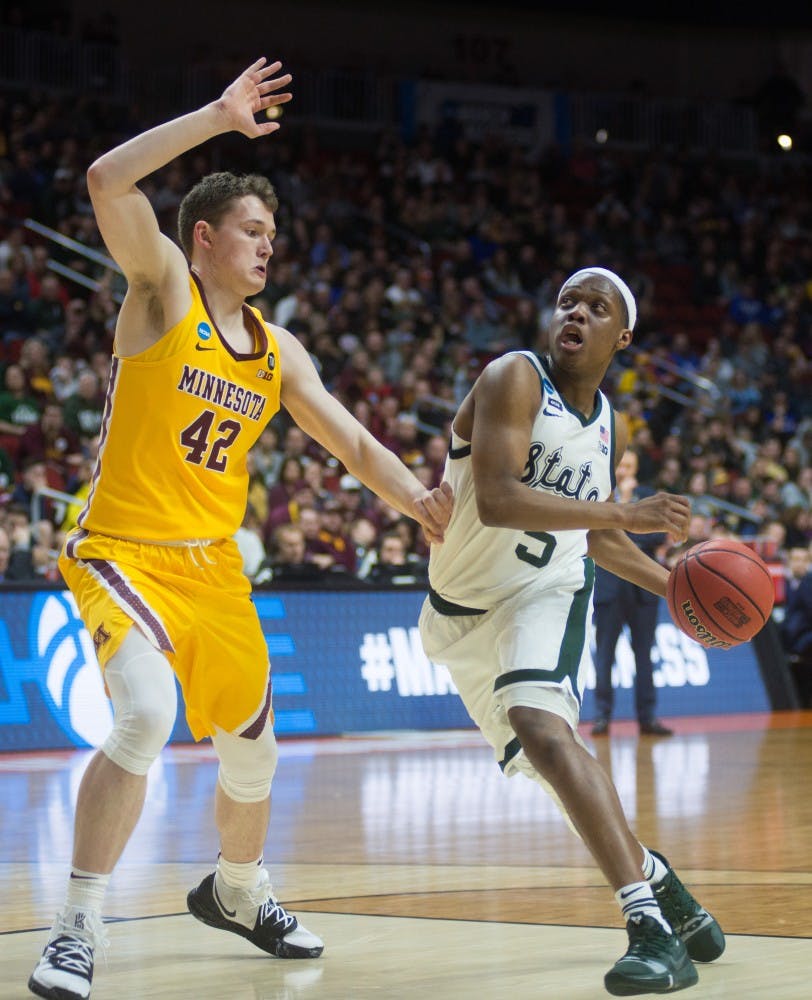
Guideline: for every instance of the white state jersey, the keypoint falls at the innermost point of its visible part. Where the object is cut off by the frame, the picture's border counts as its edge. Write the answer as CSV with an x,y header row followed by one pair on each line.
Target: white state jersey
x,y
478,566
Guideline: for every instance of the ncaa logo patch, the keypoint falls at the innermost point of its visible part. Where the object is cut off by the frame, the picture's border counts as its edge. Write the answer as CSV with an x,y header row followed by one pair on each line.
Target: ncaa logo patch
x,y
271,361
204,331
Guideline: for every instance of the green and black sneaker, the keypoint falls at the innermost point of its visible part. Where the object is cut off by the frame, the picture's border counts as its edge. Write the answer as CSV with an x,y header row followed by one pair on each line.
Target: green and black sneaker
x,y
656,962
700,933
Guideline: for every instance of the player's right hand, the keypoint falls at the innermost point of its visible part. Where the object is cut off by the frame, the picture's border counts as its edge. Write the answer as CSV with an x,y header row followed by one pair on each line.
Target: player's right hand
x,y
433,511
252,92
662,512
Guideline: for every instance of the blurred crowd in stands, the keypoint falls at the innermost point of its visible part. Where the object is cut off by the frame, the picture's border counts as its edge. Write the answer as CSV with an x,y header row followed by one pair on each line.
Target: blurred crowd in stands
x,y
403,269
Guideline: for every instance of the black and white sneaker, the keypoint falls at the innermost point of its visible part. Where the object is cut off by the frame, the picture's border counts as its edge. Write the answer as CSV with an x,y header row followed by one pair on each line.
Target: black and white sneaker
x,y
256,915
656,962
699,930
65,970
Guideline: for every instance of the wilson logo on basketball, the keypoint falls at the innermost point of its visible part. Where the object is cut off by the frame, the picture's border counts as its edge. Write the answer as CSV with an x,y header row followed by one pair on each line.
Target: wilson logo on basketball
x,y
701,632
732,611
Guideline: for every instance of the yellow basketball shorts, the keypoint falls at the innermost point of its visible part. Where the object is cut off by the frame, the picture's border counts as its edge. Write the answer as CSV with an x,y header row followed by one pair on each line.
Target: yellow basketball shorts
x,y
194,604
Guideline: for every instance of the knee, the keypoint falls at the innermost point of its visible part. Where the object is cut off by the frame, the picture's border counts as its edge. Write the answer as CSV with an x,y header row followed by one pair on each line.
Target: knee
x,y
142,689
546,739
140,732
247,766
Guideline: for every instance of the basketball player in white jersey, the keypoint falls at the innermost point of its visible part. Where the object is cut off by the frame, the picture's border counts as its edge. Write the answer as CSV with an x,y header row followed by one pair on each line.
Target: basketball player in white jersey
x,y
532,460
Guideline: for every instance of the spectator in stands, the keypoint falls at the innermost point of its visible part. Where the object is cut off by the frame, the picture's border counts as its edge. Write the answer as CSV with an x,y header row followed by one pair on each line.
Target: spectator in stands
x,y
406,443
350,496
33,553
743,392
289,561
798,493
267,455
19,410
290,512
58,203
35,362
15,561
291,475
13,245
296,444
314,475
50,441
64,376
47,311
84,330
333,538
363,536
317,551
15,316
392,565
84,409
669,477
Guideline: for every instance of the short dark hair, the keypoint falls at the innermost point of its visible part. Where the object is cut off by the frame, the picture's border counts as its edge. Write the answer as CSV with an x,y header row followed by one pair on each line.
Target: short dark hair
x,y
211,198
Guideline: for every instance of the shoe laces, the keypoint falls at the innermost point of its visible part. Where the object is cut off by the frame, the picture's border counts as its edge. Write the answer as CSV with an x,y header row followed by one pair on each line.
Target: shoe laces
x,y
677,903
72,949
645,938
271,910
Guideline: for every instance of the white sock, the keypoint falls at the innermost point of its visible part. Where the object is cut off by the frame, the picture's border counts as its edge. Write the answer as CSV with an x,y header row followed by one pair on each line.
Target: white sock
x,y
637,900
86,890
654,870
238,874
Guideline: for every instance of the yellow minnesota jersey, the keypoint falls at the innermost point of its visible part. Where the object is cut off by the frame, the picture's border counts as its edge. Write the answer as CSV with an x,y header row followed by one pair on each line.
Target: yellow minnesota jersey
x,y
178,421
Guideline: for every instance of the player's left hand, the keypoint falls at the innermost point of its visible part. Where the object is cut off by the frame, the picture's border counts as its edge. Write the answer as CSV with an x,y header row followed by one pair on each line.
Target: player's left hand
x,y
254,90
433,511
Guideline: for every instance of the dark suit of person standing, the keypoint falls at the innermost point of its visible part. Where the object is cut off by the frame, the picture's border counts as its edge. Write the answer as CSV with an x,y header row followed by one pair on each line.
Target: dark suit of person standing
x,y
796,630
619,603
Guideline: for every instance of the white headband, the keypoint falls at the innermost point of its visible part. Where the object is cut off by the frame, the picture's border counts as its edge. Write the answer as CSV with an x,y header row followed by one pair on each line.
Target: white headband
x,y
618,282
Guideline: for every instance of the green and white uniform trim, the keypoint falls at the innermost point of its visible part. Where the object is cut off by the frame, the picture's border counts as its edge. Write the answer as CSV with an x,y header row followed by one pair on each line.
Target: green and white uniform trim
x,y
508,611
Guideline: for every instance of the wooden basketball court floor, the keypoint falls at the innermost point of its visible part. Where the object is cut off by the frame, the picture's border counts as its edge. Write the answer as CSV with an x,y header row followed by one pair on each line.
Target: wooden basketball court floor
x,y
427,873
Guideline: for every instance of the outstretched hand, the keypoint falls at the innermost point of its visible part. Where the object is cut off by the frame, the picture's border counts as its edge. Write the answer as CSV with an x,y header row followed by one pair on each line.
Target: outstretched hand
x,y
254,90
434,510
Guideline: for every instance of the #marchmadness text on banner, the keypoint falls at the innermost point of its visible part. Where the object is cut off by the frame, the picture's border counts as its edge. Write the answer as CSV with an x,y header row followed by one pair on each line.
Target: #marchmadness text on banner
x,y
342,662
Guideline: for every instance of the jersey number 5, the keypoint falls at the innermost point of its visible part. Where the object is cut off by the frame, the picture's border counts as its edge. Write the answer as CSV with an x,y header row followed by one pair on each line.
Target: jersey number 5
x,y
539,560
196,436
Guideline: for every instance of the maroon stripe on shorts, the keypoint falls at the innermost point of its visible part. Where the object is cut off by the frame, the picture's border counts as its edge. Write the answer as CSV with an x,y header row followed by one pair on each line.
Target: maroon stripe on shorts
x,y
254,731
75,539
130,600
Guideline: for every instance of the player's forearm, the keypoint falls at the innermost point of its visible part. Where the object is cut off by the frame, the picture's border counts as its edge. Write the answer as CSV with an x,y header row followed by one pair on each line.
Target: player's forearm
x,y
384,473
617,553
510,504
116,171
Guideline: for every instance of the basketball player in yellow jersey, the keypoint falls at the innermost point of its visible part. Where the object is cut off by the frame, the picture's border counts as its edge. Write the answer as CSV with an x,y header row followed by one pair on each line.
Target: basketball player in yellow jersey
x,y
196,375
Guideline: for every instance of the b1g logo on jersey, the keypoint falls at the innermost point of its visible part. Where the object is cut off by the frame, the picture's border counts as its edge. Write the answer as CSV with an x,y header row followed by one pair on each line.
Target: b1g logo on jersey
x,y
268,375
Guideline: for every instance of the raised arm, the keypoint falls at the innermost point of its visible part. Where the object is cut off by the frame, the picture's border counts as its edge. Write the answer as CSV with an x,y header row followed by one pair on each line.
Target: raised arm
x,y
328,422
154,266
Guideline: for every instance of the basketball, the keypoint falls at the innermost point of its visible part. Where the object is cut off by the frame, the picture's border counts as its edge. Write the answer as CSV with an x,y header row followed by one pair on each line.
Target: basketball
x,y
720,593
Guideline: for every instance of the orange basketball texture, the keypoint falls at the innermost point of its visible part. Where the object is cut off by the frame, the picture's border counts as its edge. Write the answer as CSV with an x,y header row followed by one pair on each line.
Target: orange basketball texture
x,y
720,593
